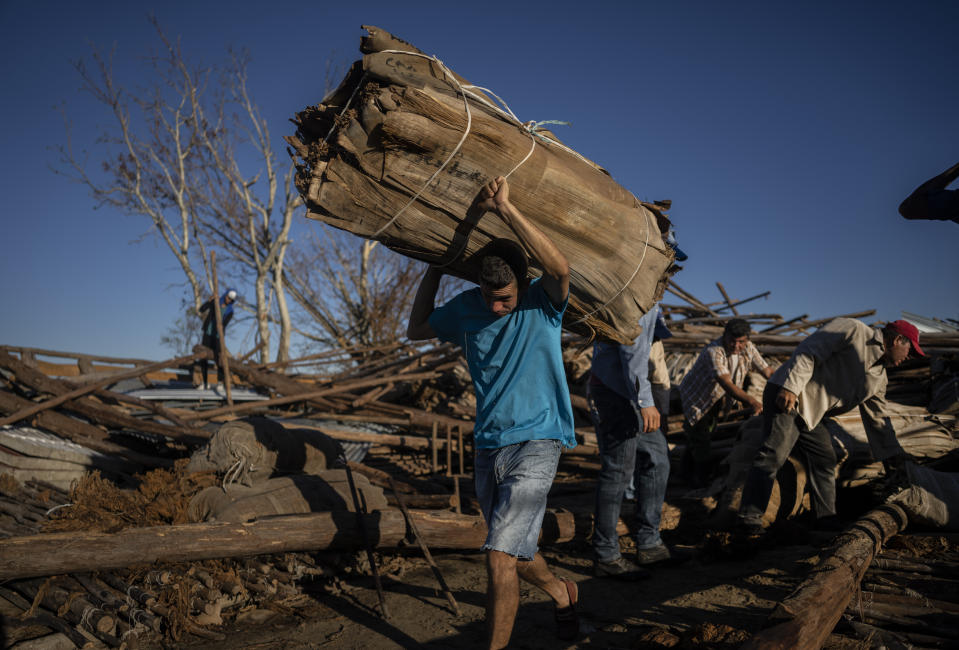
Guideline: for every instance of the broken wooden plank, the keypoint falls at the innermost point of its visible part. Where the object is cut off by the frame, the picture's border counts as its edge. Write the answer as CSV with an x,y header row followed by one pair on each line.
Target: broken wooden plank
x,y
729,303
80,432
307,394
92,387
87,407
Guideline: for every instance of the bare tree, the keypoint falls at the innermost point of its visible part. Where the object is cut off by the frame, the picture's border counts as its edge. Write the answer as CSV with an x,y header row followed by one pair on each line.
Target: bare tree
x,y
173,154
193,154
150,156
354,292
243,216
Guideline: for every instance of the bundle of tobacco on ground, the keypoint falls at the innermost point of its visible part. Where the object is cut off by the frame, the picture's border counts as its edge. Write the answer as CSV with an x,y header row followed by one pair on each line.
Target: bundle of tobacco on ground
x,y
398,152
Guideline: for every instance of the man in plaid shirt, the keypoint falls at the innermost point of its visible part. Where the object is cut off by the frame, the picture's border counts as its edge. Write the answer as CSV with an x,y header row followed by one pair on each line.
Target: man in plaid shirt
x,y
720,371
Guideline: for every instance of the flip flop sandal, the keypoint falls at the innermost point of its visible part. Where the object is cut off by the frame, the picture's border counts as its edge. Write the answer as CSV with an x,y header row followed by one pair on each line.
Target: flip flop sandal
x,y
567,621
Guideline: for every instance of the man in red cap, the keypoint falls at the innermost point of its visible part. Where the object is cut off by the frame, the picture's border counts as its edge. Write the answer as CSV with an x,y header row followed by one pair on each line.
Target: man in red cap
x,y
840,366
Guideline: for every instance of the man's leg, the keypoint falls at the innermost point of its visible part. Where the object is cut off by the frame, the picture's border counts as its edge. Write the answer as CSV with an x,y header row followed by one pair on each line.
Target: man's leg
x,y
780,434
616,426
820,457
699,446
208,343
652,474
537,573
503,594
198,373
512,491
502,597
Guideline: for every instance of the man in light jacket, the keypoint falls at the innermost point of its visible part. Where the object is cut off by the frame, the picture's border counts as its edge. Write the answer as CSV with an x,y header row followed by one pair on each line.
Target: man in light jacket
x,y
840,366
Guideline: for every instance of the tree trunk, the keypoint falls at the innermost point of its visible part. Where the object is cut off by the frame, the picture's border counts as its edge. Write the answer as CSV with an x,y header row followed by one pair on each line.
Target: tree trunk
x,y
262,315
282,308
80,552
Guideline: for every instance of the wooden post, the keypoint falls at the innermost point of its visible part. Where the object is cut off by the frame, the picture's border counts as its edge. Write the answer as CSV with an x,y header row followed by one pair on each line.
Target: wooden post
x,y
806,617
449,449
433,450
459,440
426,549
676,290
85,364
729,303
783,324
224,354
361,526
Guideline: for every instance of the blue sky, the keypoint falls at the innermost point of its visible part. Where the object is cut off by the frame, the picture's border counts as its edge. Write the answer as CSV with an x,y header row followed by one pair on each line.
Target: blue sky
x,y
786,135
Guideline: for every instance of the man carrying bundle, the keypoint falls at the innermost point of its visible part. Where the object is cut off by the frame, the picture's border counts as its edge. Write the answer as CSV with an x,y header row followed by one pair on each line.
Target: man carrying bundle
x,y
840,366
509,330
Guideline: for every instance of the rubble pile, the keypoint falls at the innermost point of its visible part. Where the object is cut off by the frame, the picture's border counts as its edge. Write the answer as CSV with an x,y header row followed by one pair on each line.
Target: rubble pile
x,y
103,462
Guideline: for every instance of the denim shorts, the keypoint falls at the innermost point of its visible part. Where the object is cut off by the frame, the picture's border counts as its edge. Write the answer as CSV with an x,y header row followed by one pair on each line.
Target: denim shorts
x,y
512,483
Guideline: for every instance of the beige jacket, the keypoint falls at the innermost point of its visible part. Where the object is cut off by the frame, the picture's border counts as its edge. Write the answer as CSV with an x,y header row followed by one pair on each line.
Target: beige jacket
x,y
837,368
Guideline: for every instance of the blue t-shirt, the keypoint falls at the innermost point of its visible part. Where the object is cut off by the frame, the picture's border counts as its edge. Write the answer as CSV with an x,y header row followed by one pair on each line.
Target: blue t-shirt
x,y
516,363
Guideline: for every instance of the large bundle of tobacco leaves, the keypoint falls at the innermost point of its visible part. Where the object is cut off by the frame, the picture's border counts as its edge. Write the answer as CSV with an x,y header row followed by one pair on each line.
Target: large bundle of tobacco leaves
x,y
401,148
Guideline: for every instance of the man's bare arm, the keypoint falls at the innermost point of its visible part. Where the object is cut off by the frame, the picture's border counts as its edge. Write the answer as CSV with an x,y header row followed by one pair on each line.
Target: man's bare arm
x,y
495,197
732,389
419,328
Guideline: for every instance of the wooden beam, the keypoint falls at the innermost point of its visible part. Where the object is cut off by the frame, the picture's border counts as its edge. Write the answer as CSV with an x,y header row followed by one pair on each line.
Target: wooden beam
x,y
308,395
676,290
745,300
224,354
823,321
784,323
81,552
29,353
729,303
806,617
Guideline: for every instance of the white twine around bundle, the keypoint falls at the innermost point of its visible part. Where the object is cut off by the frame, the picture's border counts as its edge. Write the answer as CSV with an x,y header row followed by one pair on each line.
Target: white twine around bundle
x,y
85,617
137,629
531,128
235,471
132,603
628,282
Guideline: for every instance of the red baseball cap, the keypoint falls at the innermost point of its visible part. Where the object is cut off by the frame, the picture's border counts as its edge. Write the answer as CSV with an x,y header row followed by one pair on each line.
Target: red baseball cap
x,y
907,329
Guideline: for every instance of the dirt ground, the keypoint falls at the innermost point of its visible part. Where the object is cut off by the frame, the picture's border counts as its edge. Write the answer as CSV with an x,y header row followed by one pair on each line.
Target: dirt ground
x,y
712,601
704,603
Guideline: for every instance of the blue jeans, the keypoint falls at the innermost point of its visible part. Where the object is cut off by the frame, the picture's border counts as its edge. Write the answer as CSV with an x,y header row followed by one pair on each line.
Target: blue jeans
x,y
624,450
512,484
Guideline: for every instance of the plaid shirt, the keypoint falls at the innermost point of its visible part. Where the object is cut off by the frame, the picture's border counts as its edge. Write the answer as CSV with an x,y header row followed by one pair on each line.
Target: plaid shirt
x,y
700,388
